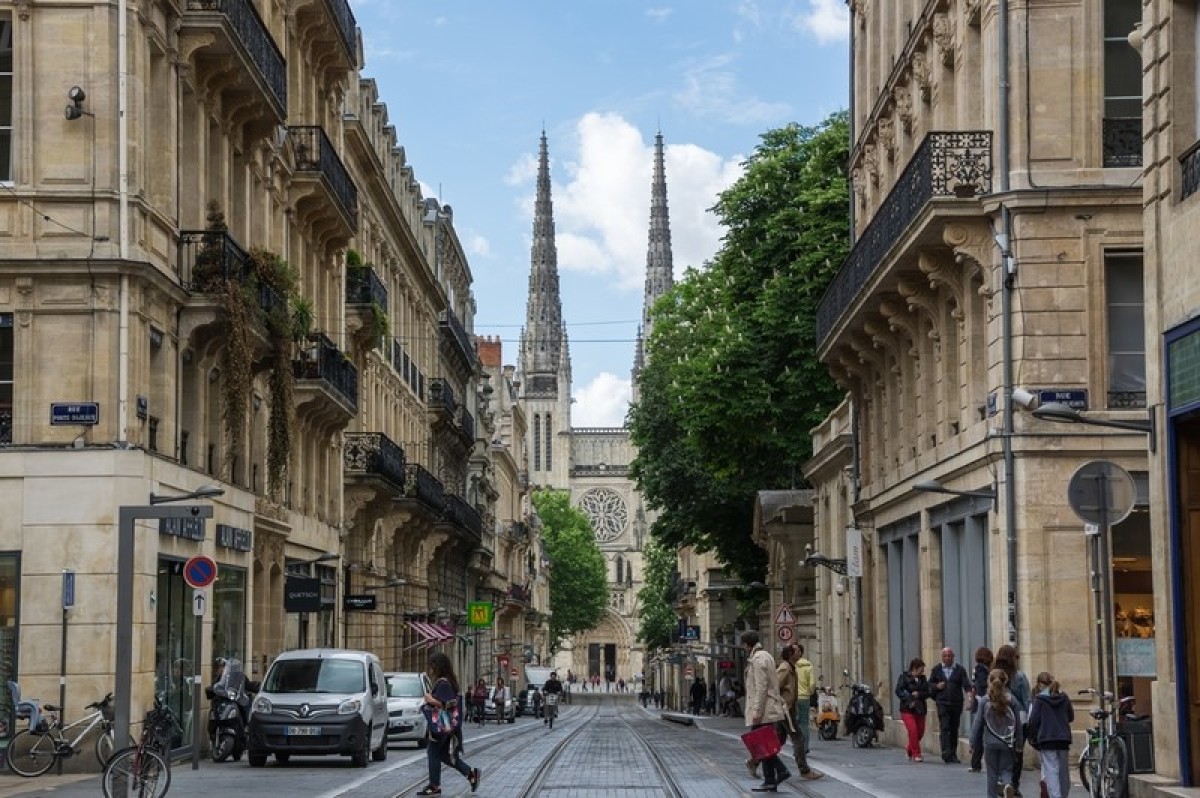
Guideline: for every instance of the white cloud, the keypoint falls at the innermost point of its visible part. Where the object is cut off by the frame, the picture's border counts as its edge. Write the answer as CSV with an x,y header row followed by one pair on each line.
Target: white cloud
x,y
478,245
711,89
827,20
658,14
524,170
602,402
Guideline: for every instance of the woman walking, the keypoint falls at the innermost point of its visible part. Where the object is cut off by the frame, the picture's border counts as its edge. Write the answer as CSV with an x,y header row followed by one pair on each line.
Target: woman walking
x,y
979,684
1018,685
912,688
444,696
764,706
1049,732
997,732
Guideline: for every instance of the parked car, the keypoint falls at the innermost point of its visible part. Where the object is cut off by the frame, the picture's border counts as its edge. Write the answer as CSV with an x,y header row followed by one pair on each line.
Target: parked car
x,y
527,704
510,711
406,695
320,701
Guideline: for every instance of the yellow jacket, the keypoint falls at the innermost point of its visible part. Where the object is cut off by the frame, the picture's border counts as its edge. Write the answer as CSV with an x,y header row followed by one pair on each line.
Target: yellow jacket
x,y
804,679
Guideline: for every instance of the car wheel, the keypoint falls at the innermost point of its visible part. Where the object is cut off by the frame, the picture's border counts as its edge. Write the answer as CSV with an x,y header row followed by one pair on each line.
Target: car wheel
x,y
360,757
380,753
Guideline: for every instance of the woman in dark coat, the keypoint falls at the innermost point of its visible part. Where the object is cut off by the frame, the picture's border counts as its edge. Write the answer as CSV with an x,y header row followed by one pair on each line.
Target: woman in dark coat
x,y
979,682
912,688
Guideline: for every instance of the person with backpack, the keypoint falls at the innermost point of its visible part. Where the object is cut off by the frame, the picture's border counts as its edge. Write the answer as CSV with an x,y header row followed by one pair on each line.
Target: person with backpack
x,y
444,723
1018,684
997,732
912,688
1049,731
979,678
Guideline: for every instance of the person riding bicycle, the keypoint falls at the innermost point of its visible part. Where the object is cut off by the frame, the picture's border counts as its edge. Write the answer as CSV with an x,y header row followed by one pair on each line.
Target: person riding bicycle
x,y
552,687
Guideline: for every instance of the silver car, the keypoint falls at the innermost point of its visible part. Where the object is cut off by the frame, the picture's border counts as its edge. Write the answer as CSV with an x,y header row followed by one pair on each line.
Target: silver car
x,y
406,695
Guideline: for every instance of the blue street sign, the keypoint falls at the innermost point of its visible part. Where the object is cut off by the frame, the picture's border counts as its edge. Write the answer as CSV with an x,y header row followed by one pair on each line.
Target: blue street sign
x,y
74,413
68,590
1074,399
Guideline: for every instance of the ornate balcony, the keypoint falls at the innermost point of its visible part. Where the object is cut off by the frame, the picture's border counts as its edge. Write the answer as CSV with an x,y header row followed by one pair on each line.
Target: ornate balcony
x,y
407,369
441,397
467,426
456,336
423,490
322,368
518,594
1190,161
374,455
363,287
463,516
316,19
231,33
949,168
1122,142
318,161
208,259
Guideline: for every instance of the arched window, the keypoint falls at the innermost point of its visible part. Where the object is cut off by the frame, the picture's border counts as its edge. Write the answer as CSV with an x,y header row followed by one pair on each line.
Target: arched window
x,y
620,570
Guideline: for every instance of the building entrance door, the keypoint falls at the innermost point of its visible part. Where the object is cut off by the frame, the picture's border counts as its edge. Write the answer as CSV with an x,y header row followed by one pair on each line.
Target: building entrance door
x,y
1188,480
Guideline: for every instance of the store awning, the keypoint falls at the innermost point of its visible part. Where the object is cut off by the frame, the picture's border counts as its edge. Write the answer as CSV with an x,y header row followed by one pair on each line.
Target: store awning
x,y
431,634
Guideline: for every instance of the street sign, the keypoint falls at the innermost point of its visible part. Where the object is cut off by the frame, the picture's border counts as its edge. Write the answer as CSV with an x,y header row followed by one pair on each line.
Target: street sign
x,y
1074,399
85,414
784,616
514,673
199,599
784,633
68,590
479,614
1101,492
200,571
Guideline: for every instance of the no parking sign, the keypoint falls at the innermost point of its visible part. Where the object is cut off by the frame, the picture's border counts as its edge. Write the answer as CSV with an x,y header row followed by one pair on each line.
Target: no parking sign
x,y
200,571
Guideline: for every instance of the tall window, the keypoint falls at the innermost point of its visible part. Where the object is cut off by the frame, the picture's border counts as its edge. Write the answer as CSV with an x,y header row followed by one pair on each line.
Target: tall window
x,y
1122,86
1126,328
6,97
549,444
6,377
537,442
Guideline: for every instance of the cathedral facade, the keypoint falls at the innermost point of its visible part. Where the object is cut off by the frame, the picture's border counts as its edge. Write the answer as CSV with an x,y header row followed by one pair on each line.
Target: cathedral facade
x,y
592,463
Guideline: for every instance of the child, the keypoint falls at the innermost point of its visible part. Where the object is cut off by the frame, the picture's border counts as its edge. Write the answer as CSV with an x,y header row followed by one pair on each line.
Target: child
x,y
1050,733
997,733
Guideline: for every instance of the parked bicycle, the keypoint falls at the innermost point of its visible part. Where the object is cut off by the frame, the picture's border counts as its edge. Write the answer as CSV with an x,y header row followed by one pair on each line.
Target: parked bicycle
x,y
143,770
34,751
1104,763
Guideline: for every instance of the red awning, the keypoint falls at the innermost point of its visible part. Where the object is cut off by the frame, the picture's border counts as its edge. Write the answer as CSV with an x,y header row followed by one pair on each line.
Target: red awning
x,y
432,634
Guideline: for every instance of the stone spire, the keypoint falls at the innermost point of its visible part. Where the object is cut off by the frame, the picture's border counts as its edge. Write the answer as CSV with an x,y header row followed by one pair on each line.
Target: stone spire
x,y
660,275
543,341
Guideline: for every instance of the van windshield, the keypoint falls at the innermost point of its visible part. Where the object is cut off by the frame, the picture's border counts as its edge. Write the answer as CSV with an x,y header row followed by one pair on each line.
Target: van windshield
x,y
316,676
406,686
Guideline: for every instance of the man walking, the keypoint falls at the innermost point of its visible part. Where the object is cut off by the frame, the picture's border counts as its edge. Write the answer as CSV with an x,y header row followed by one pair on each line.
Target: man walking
x,y
949,684
785,671
805,685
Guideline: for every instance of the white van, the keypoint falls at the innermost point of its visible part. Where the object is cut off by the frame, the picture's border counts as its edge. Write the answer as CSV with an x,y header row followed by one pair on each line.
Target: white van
x,y
320,701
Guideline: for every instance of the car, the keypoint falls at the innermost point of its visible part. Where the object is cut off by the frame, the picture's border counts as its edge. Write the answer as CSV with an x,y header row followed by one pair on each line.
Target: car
x,y
317,701
510,711
529,701
406,695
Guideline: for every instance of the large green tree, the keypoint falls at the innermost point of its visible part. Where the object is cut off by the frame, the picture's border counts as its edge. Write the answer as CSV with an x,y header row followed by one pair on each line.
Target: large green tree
x,y
578,577
655,606
732,384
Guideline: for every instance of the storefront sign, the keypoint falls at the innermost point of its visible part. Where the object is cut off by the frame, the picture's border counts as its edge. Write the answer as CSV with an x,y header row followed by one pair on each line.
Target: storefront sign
x,y
231,537
188,528
1135,656
301,594
1183,369
359,601
479,614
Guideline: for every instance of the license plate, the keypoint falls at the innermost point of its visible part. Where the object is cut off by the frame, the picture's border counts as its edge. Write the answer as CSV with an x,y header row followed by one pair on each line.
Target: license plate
x,y
401,727
303,731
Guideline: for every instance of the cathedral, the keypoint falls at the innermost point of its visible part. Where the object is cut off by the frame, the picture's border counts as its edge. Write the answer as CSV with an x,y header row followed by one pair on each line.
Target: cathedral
x,y
592,463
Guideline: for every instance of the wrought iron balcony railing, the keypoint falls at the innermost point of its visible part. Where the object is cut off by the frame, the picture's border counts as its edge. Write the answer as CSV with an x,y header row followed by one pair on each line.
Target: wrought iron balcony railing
x,y
1121,400
363,287
346,25
1122,142
315,153
463,515
518,594
419,484
375,454
467,424
322,360
441,394
1190,161
946,165
210,258
453,329
255,39
517,530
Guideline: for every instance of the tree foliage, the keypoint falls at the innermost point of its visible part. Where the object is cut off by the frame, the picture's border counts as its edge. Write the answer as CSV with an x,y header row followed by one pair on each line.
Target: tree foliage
x,y
732,384
655,602
578,577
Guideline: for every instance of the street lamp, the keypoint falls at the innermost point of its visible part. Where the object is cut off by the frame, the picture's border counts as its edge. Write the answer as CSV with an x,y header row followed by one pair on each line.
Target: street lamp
x,y
202,492
1056,411
933,486
324,557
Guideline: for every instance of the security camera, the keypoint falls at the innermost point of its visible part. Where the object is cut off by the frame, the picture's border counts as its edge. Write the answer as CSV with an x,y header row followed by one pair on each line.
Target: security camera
x,y
195,509
1023,399
76,94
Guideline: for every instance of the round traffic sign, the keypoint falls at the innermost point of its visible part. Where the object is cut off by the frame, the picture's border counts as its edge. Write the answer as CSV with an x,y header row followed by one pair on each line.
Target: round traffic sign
x,y
1101,492
200,571
784,633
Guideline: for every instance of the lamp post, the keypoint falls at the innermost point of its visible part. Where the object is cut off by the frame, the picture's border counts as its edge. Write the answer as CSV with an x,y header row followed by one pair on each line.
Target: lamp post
x,y
1056,411
128,515
933,486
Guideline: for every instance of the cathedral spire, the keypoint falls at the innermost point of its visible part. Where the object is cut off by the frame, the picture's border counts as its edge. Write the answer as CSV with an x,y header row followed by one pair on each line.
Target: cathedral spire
x,y
660,275
544,339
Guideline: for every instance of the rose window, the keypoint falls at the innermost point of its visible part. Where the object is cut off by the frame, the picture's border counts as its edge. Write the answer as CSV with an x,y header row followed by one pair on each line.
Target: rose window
x,y
607,512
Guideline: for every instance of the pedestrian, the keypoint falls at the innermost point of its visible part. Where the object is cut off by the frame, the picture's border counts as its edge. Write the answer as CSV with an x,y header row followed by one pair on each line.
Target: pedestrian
x,y
949,684
912,688
1049,732
979,677
997,732
1018,684
786,674
725,692
500,698
764,706
479,697
444,695
697,693
805,690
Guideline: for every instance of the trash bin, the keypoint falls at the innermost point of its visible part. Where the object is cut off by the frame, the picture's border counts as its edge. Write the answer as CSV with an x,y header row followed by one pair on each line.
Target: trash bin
x,y
1139,742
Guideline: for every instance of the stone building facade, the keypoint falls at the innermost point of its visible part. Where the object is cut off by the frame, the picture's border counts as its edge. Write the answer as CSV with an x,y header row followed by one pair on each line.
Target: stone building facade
x,y
998,236
220,270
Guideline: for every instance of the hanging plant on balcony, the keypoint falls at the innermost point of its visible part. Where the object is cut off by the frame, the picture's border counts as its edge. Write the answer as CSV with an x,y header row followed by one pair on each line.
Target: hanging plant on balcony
x,y
302,318
279,427
381,326
236,369
207,274
353,259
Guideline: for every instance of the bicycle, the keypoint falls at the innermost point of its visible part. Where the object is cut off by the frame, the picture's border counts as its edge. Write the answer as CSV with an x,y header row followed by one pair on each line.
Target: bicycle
x,y
34,751
1104,763
143,770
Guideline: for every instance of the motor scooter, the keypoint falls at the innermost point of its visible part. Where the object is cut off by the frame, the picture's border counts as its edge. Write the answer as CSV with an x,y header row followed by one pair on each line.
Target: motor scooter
x,y
228,712
827,713
864,715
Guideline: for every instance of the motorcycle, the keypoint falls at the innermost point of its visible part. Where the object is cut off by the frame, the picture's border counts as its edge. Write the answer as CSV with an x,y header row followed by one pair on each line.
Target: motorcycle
x,y
827,713
864,715
228,712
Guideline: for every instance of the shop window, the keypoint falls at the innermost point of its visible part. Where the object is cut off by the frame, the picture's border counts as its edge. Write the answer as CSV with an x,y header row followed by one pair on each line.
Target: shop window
x,y
902,550
174,654
10,591
229,614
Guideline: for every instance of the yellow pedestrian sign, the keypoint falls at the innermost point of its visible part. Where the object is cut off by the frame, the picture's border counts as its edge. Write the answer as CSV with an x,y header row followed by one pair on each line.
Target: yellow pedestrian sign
x,y
784,616
479,614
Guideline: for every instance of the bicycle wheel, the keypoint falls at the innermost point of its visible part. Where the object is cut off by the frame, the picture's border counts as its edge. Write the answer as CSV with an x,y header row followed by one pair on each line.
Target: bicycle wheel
x,y
1114,769
106,743
1086,760
29,754
131,773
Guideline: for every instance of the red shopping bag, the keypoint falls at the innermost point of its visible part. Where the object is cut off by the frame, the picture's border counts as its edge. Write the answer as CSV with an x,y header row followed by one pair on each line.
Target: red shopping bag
x,y
762,742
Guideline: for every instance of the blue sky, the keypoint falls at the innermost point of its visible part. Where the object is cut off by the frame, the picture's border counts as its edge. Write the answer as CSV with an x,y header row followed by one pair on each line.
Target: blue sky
x,y
470,86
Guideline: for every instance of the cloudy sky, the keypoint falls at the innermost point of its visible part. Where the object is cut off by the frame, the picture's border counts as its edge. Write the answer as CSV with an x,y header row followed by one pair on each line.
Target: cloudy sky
x,y
471,85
